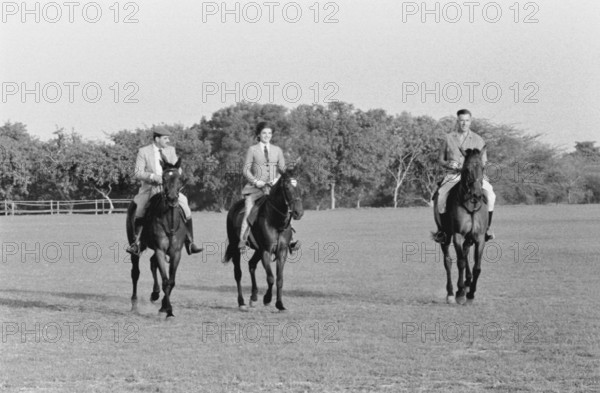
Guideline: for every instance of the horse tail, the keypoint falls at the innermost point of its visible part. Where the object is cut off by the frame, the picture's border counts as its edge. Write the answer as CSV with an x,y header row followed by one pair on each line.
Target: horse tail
x,y
231,248
231,237
129,224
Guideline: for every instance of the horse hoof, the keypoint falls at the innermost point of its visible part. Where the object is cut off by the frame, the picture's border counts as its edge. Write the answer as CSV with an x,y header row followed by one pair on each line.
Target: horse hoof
x,y
461,300
162,309
469,301
252,303
154,296
170,316
244,308
267,300
450,300
279,306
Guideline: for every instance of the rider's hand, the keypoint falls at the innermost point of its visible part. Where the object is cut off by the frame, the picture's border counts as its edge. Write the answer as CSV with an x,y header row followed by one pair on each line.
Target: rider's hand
x,y
155,179
454,165
260,184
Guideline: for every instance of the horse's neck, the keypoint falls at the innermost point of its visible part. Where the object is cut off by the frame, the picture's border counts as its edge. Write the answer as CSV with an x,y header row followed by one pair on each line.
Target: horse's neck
x,y
464,195
161,208
278,205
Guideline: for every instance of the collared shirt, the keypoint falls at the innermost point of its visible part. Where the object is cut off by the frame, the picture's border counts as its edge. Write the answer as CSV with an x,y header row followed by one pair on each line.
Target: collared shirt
x,y
262,147
157,161
452,146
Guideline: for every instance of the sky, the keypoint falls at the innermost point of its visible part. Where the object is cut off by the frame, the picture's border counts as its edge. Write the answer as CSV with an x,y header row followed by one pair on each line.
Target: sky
x,y
100,67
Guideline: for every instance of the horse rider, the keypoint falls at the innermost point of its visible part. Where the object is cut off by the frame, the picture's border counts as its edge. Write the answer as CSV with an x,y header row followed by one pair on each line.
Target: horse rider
x,y
149,171
451,158
261,171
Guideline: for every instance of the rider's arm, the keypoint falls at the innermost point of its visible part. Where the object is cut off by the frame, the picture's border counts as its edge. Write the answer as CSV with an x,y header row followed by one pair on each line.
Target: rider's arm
x,y
247,170
140,168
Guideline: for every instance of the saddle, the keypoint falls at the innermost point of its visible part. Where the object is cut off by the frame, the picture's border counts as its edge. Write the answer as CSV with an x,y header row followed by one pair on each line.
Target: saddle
x,y
437,190
153,206
254,212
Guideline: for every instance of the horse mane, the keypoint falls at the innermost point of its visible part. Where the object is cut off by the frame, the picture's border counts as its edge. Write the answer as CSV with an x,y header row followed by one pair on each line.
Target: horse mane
x,y
470,156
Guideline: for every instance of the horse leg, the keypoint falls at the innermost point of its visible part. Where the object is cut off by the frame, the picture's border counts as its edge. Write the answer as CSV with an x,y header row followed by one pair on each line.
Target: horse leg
x,y
266,261
174,259
161,258
237,273
460,262
478,256
281,257
252,267
155,289
448,267
135,275
468,274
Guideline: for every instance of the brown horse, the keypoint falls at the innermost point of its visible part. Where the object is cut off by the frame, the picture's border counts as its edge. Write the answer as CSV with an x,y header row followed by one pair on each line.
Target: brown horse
x,y
468,210
270,234
164,232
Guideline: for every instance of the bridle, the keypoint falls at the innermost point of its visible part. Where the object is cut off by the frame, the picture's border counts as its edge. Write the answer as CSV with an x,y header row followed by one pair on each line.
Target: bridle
x,y
287,215
172,205
466,190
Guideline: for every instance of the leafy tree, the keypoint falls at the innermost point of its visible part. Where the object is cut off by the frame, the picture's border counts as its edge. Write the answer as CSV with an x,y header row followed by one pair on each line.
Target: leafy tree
x,y
18,158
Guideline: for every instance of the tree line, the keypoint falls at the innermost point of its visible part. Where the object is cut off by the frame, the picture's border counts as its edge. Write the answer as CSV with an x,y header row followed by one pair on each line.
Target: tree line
x,y
348,158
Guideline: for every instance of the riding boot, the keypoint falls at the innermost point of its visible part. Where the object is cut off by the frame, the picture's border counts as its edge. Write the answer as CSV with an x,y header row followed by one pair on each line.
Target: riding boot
x,y
190,247
489,234
134,248
443,233
243,234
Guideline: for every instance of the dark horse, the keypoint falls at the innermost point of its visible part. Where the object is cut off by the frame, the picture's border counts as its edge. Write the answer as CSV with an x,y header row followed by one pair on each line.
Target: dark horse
x,y
164,232
468,210
270,234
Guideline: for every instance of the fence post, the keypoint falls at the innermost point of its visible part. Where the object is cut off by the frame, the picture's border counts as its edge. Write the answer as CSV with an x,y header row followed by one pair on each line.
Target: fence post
x,y
51,212
58,207
12,207
96,206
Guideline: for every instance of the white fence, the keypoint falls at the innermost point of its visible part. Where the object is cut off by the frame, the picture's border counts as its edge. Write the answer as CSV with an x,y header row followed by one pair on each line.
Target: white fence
x,y
94,206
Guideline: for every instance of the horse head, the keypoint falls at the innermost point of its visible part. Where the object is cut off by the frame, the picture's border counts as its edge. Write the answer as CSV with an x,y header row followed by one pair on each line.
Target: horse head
x,y
291,191
472,176
171,181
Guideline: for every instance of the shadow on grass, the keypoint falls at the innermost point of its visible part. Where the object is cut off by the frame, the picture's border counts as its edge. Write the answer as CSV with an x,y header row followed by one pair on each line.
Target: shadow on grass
x,y
344,297
86,308
231,289
16,303
68,295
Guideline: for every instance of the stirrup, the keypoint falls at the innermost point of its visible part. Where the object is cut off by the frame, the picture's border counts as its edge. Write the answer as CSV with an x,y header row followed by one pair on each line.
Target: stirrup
x,y
133,249
439,237
489,235
295,246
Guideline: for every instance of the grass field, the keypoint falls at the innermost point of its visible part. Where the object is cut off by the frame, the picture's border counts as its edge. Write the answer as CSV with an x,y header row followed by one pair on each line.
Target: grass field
x,y
366,309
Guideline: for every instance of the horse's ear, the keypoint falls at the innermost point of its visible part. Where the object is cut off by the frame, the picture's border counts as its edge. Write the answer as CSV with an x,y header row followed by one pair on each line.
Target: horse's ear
x,y
293,167
483,149
178,163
